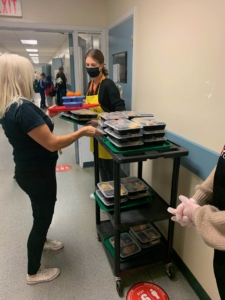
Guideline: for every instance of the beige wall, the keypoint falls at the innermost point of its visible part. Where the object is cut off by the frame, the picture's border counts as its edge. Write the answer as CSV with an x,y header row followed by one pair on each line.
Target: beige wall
x,y
179,73
66,12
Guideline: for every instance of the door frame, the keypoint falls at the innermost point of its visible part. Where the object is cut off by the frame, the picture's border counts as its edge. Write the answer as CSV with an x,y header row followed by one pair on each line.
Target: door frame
x,y
74,30
121,19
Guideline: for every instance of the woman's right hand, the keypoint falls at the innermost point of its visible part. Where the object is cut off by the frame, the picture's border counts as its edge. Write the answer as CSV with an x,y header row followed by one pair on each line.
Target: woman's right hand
x,y
91,131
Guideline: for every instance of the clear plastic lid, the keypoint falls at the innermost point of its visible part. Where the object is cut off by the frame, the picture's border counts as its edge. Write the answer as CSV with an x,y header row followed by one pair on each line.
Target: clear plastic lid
x,y
125,145
132,114
128,246
84,112
144,245
117,136
134,184
148,121
109,201
146,235
123,124
107,189
112,115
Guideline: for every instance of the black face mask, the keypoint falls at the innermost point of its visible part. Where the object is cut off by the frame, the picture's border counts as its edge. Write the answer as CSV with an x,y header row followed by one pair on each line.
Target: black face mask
x,y
93,72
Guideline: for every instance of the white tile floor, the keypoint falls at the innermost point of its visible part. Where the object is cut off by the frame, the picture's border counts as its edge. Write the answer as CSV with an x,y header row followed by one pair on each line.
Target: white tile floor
x,y
85,271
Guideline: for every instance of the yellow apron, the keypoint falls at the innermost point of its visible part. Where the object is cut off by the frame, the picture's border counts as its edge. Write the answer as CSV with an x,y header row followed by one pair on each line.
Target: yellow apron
x,y
102,153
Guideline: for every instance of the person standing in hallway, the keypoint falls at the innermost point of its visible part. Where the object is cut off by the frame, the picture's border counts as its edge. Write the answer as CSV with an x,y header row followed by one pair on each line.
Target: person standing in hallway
x,y
206,211
35,150
49,87
61,86
42,90
102,90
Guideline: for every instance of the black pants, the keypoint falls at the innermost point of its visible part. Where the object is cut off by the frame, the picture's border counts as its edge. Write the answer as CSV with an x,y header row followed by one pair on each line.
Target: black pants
x,y
40,185
60,93
42,104
219,271
106,169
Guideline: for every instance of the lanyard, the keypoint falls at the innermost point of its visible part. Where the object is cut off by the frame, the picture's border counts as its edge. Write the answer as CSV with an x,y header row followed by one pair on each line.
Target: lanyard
x,y
97,86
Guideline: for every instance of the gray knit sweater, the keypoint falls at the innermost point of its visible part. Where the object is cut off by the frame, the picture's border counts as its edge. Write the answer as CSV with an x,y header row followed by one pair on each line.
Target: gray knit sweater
x,y
209,221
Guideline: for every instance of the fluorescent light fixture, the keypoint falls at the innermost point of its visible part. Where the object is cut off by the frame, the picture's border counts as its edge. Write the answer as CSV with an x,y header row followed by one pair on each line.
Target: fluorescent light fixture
x,y
29,42
32,50
33,54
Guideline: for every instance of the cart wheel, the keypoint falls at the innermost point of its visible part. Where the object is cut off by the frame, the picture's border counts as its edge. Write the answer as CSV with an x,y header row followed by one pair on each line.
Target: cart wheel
x,y
98,237
170,272
119,287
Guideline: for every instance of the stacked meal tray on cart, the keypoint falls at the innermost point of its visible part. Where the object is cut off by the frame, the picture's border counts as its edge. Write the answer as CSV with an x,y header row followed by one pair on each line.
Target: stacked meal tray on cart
x,y
124,134
153,131
82,115
132,188
130,134
139,237
145,235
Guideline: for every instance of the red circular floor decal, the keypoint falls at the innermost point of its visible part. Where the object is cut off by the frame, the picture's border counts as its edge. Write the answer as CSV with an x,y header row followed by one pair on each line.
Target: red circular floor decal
x,y
63,168
146,291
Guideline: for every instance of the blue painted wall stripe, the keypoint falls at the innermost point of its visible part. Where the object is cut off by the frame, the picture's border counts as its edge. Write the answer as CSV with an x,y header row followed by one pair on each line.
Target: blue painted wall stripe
x,y
200,160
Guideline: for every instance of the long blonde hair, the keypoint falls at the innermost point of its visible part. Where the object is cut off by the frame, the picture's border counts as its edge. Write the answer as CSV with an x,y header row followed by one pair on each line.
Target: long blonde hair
x,y
16,80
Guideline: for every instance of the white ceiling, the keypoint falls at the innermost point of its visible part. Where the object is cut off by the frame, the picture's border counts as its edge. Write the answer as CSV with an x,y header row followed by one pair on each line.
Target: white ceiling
x,y
48,43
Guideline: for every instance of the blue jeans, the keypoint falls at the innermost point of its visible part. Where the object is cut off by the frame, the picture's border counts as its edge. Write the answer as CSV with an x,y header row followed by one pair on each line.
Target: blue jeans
x,y
40,186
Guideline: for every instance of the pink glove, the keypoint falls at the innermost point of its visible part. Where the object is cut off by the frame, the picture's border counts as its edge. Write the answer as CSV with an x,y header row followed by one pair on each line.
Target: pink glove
x,y
184,211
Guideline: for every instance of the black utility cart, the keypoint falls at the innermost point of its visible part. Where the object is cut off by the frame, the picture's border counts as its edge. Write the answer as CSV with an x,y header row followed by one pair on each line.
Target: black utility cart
x,y
154,211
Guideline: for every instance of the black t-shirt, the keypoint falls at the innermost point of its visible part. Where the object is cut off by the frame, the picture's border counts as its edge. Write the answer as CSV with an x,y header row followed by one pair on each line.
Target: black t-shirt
x,y
17,122
109,96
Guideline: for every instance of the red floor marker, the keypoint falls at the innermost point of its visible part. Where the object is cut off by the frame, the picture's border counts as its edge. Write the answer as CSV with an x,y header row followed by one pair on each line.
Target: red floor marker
x,y
63,168
146,291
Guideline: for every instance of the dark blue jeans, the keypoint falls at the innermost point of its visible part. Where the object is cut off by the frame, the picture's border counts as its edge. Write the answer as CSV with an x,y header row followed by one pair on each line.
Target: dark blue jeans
x,y
40,186
42,93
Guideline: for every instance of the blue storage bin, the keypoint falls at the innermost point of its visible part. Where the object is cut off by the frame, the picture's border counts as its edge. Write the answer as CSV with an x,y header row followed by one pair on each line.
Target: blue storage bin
x,y
76,99
73,104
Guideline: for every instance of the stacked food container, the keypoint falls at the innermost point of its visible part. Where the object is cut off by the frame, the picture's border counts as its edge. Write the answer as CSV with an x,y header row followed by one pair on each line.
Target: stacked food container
x,y
73,101
106,193
131,189
82,115
124,134
153,131
145,235
128,246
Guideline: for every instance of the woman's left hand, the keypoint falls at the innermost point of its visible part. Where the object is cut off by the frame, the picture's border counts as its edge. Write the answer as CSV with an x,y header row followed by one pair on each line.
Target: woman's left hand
x,y
93,123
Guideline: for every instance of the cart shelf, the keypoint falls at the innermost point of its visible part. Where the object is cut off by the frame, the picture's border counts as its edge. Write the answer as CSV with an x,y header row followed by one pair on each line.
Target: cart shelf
x,y
154,211
146,259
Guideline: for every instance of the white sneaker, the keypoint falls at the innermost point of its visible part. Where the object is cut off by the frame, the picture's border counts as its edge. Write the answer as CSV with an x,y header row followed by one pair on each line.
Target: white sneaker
x,y
43,275
92,196
52,245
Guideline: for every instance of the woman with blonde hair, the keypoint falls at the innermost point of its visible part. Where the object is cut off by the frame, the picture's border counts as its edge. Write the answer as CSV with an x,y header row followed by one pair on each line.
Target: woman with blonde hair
x,y
29,131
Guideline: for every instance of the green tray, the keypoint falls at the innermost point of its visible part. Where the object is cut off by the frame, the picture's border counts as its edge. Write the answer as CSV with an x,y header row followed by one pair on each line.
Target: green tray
x,y
110,248
127,204
73,121
139,149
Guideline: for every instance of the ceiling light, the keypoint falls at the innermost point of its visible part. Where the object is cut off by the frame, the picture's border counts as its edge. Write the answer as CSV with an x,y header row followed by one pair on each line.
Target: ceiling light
x,y
29,42
32,50
33,54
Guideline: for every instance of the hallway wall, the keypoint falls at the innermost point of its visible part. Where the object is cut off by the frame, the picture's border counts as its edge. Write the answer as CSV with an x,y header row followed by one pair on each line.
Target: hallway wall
x,y
179,72
67,12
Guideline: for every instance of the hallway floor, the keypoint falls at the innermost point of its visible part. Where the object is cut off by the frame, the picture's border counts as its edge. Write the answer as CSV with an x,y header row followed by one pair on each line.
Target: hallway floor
x,y
85,271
